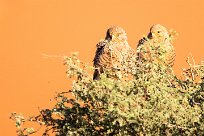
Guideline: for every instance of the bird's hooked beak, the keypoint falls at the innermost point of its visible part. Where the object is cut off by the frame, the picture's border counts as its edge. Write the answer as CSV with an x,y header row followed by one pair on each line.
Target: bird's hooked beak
x,y
153,34
150,35
108,36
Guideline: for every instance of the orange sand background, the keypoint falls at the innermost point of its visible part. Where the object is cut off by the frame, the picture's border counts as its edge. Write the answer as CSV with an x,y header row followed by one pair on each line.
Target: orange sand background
x,y
30,28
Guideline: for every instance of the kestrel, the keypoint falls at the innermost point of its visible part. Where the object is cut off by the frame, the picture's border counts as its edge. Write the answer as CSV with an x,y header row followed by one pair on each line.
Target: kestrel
x,y
157,40
111,52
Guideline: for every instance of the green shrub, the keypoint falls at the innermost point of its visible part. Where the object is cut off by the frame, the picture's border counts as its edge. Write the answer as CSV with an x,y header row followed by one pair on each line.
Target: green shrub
x,y
143,99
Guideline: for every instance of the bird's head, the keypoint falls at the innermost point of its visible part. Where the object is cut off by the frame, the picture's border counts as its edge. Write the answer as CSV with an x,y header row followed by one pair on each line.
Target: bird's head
x,y
159,32
116,33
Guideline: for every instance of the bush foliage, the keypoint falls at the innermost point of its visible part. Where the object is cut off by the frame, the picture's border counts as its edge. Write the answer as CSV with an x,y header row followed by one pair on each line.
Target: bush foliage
x,y
145,98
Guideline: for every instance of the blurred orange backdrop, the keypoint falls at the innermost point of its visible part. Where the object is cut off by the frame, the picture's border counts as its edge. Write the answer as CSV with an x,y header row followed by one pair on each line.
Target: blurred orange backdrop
x,y
31,28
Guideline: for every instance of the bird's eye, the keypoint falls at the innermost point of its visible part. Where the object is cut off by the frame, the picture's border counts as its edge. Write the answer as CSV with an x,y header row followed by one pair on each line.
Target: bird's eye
x,y
158,31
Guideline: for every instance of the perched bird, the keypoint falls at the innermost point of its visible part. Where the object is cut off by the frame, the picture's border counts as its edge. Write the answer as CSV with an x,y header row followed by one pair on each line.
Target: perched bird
x,y
112,52
158,42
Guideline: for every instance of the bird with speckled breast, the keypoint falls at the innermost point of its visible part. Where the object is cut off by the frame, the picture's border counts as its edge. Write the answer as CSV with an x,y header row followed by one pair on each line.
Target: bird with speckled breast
x,y
157,39
112,51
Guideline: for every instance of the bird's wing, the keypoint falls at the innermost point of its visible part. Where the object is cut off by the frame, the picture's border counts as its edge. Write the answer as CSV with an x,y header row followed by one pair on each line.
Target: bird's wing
x,y
143,48
100,47
142,41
